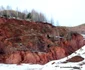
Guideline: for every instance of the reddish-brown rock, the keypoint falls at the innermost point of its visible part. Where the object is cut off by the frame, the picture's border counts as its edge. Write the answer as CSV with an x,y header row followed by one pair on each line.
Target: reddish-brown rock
x,y
29,58
76,42
14,58
75,59
43,57
28,42
57,52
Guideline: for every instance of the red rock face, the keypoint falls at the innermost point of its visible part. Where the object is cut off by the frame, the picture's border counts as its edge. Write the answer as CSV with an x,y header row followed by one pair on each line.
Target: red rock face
x,y
76,42
57,52
28,42
29,58
13,58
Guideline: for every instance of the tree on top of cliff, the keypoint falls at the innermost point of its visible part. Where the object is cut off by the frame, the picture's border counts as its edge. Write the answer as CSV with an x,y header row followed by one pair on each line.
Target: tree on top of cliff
x,y
29,16
35,16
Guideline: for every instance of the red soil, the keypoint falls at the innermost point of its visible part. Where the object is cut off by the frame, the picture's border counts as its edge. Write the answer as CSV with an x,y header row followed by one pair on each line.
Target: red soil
x,y
35,42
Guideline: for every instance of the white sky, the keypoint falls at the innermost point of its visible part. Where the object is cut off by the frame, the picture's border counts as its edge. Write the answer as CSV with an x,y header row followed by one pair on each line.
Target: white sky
x,y
66,12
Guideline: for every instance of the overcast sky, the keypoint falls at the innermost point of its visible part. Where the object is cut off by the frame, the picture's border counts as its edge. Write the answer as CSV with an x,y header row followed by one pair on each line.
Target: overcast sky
x,y
65,12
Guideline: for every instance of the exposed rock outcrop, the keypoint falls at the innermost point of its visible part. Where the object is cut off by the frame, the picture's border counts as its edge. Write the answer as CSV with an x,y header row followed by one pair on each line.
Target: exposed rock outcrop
x,y
35,42
76,59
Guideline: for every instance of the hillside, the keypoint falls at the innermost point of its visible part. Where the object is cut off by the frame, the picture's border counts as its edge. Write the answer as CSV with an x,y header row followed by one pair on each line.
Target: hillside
x,y
24,41
80,29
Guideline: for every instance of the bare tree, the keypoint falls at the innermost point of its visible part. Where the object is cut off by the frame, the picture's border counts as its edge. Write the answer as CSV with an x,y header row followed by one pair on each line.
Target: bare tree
x,y
25,13
42,17
17,11
34,15
9,7
37,16
57,23
1,9
52,21
8,11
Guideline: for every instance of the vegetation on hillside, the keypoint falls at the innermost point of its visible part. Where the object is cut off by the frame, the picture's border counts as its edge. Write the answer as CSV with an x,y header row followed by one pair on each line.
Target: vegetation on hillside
x,y
33,15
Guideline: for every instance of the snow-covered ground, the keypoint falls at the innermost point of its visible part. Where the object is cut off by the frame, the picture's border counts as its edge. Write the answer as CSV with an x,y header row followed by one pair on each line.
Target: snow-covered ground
x,y
20,67
52,65
59,65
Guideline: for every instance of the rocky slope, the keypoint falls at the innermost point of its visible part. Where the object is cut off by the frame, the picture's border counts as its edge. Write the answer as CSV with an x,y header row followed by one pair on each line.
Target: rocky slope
x,y
35,42
79,29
